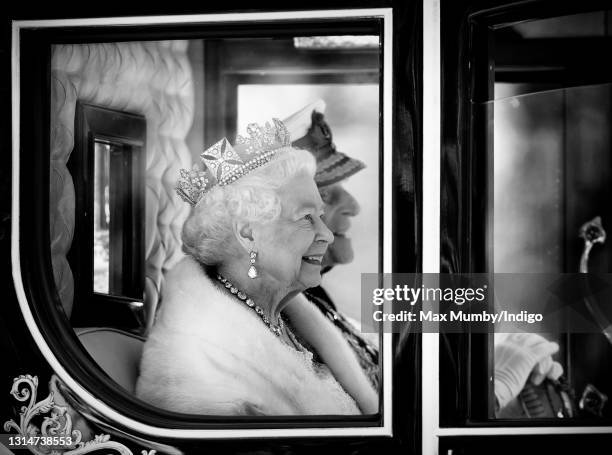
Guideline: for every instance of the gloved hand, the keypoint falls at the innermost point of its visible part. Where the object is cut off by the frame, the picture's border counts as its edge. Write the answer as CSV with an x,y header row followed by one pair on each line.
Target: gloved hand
x,y
519,356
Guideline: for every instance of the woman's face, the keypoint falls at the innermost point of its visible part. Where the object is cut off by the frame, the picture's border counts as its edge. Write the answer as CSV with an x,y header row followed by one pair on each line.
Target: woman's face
x,y
291,248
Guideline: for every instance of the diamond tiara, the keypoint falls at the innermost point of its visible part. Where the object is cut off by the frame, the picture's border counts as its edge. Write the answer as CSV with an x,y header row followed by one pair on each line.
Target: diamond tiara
x,y
224,163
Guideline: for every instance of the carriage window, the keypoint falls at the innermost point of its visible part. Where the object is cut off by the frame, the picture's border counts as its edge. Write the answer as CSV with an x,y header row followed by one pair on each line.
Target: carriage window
x,y
101,218
107,255
133,199
550,177
116,194
129,110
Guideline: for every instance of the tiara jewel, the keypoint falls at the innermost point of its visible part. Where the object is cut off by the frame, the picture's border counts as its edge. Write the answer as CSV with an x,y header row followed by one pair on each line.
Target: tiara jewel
x,y
264,138
224,163
221,159
192,185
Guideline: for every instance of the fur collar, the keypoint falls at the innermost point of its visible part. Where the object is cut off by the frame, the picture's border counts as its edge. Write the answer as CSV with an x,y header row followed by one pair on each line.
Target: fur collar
x,y
210,354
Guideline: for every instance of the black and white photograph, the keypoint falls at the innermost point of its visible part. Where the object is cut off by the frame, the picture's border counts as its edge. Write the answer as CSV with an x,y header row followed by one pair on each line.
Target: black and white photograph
x,y
241,228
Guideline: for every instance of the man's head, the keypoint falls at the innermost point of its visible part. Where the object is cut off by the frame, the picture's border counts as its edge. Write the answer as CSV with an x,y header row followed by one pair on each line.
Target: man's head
x,y
340,206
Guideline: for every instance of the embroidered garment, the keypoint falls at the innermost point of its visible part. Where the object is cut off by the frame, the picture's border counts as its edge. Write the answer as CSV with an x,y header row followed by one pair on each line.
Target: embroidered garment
x,y
210,354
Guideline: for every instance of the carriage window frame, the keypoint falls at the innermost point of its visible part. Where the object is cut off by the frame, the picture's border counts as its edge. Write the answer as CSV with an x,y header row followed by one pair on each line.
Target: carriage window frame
x,y
125,135
462,398
39,301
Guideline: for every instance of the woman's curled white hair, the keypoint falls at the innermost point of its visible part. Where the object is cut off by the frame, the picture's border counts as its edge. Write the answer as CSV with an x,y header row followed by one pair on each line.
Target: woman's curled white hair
x,y
207,233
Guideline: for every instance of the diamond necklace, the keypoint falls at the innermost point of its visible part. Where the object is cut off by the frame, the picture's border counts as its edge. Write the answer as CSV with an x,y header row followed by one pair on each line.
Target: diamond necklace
x,y
274,328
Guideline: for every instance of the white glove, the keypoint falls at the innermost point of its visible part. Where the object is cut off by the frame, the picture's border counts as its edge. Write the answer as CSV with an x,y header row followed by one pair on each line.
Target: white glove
x,y
519,356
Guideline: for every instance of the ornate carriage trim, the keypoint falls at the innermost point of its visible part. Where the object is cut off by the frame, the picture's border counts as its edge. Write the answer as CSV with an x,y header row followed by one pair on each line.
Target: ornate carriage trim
x,y
56,424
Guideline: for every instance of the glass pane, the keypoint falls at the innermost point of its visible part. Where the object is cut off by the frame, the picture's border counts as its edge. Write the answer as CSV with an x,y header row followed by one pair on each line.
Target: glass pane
x,y
528,191
229,82
552,173
101,218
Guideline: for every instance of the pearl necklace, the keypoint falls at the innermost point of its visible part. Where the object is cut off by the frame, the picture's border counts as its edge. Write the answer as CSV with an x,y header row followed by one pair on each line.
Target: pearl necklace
x,y
276,329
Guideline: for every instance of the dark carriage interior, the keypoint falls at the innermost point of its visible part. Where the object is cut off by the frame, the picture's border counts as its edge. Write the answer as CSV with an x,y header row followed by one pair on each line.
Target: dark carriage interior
x,y
552,168
525,166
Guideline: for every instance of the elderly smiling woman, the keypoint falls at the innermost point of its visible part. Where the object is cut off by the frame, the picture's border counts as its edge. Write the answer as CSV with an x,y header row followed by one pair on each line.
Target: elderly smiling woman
x,y
254,239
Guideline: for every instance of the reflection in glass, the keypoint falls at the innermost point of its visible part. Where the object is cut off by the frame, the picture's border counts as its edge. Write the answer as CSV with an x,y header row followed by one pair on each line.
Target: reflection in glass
x,y
552,172
337,42
101,218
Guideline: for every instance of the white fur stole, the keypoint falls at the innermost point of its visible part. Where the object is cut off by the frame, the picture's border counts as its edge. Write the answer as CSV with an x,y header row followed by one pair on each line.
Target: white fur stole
x,y
208,353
